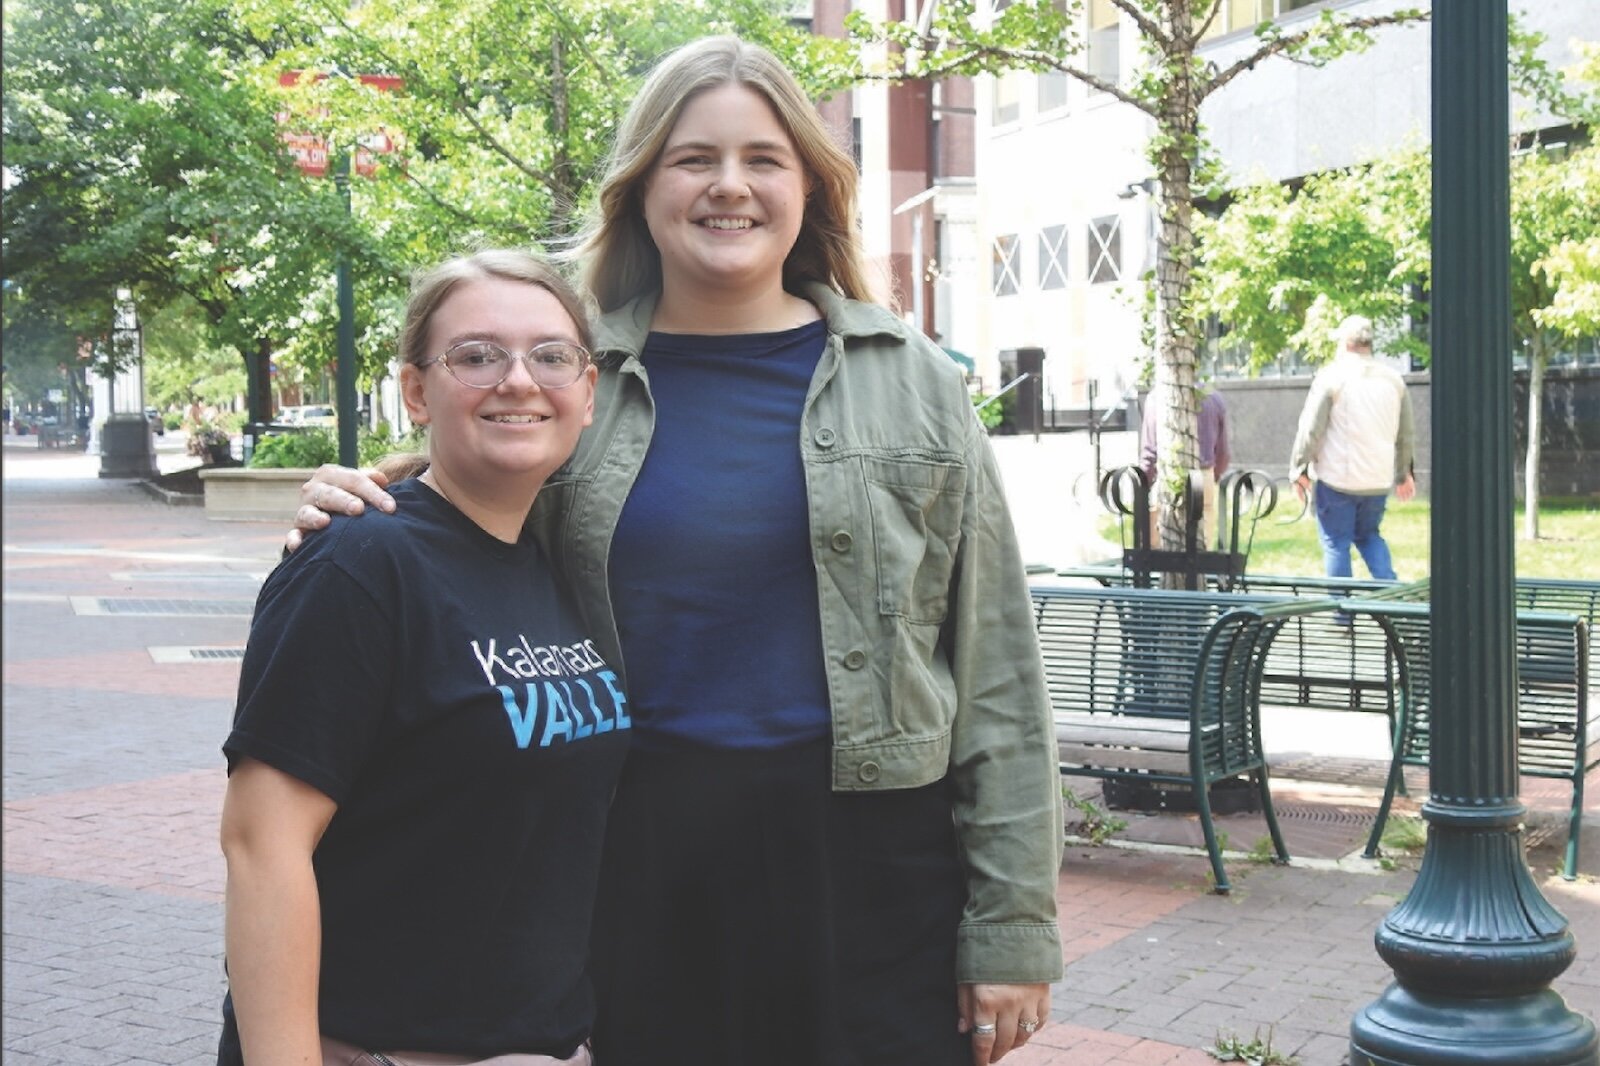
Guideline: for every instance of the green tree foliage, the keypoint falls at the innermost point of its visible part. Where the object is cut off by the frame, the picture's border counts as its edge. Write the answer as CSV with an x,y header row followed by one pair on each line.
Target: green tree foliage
x,y
143,150
1571,267
39,348
1281,267
1169,87
139,154
181,362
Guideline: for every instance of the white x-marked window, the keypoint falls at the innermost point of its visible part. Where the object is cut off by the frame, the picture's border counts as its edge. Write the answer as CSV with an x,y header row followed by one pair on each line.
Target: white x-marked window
x,y
1053,257
1007,265
1105,249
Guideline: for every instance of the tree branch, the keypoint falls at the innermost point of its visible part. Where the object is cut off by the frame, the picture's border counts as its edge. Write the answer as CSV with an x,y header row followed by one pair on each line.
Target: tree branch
x,y
1147,25
542,177
1216,9
451,209
1278,45
950,63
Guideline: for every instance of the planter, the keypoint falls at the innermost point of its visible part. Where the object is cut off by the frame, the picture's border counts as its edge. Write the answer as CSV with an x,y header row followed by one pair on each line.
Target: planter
x,y
241,493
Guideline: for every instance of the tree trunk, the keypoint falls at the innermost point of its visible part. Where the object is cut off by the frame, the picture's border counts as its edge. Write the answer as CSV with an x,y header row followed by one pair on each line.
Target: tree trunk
x,y
1538,356
1177,445
563,194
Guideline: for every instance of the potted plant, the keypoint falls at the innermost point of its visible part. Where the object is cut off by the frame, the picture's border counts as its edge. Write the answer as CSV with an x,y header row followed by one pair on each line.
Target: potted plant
x,y
212,444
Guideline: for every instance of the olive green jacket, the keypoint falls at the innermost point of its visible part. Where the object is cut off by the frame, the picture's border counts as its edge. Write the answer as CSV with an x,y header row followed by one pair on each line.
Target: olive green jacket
x,y
933,664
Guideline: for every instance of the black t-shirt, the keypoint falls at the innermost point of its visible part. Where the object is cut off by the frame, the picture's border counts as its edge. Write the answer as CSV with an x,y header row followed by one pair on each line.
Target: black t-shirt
x,y
438,685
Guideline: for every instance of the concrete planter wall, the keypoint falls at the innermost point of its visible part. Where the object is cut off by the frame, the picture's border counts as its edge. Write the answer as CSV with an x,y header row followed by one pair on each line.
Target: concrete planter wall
x,y
240,493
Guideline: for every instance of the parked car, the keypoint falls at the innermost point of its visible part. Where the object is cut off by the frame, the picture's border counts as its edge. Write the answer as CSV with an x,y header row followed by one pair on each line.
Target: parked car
x,y
309,414
153,416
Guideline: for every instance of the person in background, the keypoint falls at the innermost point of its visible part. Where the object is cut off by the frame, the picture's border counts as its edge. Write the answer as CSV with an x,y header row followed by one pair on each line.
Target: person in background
x,y
838,835
1211,429
1356,440
427,740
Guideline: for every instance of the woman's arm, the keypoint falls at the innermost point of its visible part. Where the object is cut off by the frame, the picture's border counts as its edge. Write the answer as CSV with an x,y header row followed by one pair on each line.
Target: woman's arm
x,y
271,823
1007,788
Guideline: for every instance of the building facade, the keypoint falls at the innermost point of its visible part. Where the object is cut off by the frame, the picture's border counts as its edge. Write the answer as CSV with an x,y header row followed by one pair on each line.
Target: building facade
x,y
1041,240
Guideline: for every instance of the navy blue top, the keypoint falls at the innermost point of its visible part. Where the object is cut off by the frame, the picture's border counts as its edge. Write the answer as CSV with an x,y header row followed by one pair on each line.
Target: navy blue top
x,y
711,572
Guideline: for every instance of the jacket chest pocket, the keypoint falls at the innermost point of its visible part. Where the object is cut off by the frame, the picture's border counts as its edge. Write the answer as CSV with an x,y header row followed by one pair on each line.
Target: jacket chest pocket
x,y
916,527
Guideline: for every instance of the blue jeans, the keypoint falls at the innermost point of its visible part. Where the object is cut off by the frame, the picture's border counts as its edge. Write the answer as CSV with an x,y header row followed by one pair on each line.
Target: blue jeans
x,y
1344,519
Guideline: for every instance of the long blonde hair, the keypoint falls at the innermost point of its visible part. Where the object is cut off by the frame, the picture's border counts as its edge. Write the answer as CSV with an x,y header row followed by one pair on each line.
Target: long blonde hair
x,y
621,262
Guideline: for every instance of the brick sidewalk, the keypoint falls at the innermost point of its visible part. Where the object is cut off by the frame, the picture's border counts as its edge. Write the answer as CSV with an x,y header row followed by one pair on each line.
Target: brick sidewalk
x,y
113,880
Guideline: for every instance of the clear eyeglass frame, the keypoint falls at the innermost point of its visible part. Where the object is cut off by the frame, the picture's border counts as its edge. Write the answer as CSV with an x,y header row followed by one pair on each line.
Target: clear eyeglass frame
x,y
485,364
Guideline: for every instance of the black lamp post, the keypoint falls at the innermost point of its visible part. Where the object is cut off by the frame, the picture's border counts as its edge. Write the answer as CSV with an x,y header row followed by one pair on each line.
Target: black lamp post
x,y
345,383
1475,945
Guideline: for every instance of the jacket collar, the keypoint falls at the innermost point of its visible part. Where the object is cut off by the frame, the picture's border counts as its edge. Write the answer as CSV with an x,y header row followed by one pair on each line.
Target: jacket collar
x,y
620,334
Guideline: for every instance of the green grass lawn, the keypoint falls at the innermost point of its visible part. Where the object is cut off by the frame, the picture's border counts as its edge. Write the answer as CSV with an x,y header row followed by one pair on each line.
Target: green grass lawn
x,y
1568,545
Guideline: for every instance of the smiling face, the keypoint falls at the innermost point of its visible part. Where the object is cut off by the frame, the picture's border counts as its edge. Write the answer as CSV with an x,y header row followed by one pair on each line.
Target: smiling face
x,y
502,439
725,200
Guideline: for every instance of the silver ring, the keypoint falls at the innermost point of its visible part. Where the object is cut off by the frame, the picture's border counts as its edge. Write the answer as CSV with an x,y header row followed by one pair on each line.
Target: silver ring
x,y
1027,1027
983,1030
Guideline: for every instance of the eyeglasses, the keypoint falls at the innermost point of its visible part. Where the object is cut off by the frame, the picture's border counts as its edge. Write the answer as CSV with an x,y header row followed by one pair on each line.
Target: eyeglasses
x,y
484,364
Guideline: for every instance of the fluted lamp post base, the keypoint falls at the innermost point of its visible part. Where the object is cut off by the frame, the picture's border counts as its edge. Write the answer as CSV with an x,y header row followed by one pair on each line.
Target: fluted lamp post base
x,y
1404,1028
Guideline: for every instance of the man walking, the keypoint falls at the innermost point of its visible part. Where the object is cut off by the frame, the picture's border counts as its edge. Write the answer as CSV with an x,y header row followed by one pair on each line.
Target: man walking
x,y
1356,439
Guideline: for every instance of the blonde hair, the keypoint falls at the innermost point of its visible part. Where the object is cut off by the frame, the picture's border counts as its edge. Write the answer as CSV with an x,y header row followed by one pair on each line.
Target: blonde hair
x,y
430,288
622,261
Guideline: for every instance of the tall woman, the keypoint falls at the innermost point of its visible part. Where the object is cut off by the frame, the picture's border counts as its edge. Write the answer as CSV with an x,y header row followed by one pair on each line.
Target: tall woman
x,y
837,837
426,739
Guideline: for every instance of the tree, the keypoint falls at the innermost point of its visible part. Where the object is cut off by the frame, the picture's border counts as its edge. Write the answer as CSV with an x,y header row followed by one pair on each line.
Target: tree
x,y
140,155
1280,268
1555,206
40,350
1174,82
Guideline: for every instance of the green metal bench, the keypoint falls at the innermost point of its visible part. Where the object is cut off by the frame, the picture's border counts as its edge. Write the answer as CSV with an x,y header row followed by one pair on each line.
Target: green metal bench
x,y
1317,660
1161,686
1558,711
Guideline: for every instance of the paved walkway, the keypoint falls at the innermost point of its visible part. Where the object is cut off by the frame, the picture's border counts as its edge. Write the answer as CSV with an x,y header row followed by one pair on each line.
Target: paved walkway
x,y
113,781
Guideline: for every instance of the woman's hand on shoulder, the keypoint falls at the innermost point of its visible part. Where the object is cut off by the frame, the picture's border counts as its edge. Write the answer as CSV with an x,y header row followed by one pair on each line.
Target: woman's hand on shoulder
x,y
335,490
1000,1018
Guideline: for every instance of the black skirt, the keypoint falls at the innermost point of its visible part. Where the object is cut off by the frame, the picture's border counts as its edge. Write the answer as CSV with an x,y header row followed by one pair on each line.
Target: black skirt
x,y
749,915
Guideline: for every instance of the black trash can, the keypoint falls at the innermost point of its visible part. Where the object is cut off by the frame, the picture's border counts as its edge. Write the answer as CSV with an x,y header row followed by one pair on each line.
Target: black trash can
x,y
1015,362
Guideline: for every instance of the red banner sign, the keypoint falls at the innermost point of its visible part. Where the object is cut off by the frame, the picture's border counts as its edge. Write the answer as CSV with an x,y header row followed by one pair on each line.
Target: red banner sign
x,y
310,151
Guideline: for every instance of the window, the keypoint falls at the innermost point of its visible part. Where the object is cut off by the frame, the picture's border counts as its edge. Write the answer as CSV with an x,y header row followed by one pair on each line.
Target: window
x,y
1105,249
1104,27
1053,257
1246,14
1007,98
1053,90
1007,265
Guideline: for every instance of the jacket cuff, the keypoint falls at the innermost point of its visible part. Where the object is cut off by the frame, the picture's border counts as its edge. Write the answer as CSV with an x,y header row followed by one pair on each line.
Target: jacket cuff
x,y
1011,954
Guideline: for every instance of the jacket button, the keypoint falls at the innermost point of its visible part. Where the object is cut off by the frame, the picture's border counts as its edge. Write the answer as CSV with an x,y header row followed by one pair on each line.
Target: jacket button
x,y
855,660
824,437
842,541
868,771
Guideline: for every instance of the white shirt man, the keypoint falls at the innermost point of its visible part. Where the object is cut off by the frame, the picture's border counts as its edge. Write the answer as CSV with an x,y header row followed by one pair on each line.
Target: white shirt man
x,y
1356,440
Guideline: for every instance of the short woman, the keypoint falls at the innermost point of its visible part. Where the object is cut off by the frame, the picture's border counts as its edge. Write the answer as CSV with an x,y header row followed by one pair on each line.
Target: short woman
x,y
427,739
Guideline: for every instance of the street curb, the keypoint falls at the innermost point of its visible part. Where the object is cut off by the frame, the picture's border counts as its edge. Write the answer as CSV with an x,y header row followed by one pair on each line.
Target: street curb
x,y
175,499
